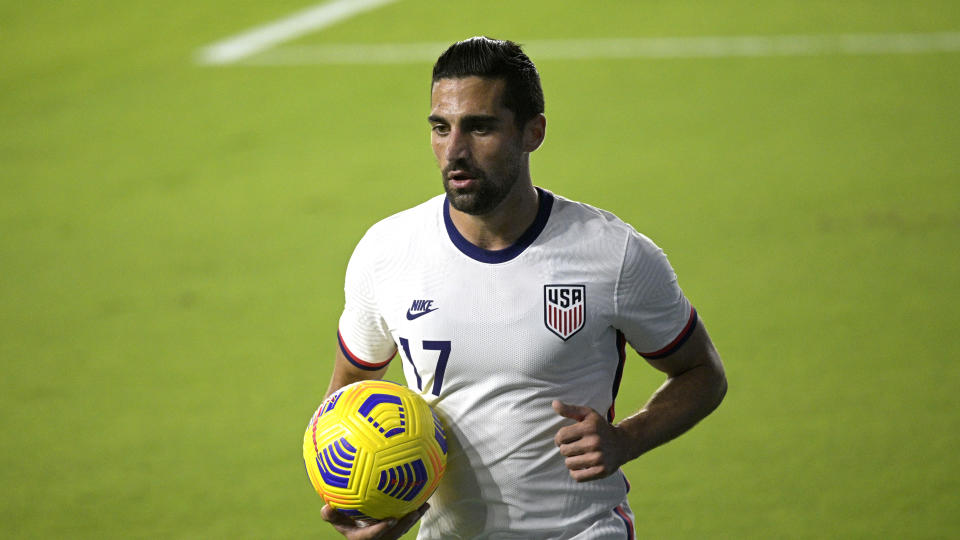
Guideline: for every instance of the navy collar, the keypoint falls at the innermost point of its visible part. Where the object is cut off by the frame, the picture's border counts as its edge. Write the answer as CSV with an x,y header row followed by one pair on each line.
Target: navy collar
x,y
506,254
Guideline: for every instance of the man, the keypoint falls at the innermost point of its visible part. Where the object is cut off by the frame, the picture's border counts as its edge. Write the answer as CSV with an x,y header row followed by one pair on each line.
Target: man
x,y
510,308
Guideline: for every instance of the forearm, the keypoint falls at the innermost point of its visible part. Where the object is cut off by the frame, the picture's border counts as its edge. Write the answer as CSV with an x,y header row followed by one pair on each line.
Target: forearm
x,y
682,401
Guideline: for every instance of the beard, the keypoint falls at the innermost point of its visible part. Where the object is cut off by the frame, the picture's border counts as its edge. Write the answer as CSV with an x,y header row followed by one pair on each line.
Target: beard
x,y
484,195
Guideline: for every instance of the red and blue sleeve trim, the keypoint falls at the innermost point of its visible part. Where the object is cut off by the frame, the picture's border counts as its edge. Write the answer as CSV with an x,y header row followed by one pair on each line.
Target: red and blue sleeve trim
x,y
356,361
676,343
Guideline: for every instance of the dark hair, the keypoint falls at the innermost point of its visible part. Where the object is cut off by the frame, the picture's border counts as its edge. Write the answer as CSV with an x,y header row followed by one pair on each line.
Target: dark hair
x,y
496,59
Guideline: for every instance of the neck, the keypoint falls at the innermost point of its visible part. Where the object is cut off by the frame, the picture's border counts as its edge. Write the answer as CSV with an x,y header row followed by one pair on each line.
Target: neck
x,y
501,227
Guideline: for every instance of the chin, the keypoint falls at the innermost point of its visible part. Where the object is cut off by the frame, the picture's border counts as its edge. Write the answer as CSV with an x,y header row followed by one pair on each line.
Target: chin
x,y
476,201
468,203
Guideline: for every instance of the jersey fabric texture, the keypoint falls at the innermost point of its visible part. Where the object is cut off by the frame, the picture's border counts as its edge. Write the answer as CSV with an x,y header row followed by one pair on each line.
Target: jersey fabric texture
x,y
491,338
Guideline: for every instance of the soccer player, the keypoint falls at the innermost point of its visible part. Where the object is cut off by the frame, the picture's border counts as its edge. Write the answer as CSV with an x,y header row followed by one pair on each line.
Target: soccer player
x,y
510,308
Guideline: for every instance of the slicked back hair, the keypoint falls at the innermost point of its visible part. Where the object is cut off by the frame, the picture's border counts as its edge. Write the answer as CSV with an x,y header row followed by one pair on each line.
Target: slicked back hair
x,y
496,59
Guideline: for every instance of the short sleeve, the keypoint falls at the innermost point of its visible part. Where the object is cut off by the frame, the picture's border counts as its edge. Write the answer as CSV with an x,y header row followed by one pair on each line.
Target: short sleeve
x,y
651,309
363,334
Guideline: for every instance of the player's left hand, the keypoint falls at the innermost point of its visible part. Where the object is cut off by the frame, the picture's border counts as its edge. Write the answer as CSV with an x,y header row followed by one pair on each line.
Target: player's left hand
x,y
390,529
593,448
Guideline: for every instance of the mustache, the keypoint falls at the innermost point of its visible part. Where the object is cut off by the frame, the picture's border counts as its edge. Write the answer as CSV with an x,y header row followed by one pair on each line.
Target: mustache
x,y
464,166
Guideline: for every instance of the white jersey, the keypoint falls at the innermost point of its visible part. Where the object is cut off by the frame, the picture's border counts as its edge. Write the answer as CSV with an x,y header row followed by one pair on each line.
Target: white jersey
x,y
491,338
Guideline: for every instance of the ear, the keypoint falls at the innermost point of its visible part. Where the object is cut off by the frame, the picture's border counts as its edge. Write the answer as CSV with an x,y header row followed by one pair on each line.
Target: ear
x,y
534,133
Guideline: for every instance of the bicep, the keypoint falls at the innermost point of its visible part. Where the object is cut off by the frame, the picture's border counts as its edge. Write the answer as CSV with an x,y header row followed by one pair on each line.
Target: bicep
x,y
698,350
345,372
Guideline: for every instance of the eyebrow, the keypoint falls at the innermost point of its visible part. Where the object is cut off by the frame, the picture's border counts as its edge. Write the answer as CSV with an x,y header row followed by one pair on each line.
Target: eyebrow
x,y
472,119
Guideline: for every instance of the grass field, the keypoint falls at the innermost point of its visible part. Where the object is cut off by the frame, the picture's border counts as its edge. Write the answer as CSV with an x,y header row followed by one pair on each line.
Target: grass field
x,y
173,238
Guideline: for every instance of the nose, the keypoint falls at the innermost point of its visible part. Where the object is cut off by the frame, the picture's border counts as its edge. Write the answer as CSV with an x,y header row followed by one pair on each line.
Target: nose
x,y
458,146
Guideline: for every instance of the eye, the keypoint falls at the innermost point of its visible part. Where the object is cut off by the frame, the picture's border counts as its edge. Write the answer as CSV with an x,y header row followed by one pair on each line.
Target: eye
x,y
441,129
481,130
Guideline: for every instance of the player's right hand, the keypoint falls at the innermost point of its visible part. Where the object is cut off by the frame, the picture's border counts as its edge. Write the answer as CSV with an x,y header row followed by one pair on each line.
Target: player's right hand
x,y
592,448
388,529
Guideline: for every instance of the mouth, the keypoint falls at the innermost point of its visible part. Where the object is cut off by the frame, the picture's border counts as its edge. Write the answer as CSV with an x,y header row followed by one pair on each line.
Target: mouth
x,y
460,179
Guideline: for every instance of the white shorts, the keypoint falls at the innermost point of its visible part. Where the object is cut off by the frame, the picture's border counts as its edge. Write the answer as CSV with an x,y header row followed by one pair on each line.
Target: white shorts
x,y
618,524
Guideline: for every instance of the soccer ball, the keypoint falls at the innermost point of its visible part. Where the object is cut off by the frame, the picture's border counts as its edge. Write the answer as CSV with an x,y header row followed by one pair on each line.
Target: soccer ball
x,y
375,450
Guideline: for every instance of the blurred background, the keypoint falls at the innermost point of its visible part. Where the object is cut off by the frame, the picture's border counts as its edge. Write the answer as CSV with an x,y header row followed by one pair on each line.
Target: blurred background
x,y
175,225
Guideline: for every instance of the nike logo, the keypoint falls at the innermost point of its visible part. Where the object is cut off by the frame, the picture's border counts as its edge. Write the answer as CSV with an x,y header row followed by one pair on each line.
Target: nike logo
x,y
420,308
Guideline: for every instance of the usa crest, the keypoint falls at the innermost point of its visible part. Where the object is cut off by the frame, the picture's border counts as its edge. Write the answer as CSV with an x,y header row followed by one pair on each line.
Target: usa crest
x,y
564,309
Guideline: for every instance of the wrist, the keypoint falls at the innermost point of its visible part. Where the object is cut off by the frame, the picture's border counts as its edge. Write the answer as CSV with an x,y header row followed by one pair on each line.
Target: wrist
x,y
629,434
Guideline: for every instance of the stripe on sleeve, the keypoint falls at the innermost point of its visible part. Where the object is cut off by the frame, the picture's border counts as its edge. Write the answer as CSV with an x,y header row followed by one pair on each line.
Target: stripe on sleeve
x,y
676,343
362,364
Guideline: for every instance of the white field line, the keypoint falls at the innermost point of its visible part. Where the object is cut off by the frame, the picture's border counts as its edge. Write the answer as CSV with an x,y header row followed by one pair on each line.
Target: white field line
x,y
295,25
667,47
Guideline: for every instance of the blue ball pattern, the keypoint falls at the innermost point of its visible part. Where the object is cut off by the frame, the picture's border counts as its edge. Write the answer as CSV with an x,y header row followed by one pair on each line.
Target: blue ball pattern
x,y
335,462
405,481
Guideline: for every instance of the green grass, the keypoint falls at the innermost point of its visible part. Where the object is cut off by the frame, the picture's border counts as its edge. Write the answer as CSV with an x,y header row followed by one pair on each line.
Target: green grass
x,y
173,240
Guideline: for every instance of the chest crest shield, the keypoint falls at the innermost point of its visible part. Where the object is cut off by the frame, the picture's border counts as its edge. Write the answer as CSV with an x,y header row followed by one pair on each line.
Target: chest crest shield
x,y
564,309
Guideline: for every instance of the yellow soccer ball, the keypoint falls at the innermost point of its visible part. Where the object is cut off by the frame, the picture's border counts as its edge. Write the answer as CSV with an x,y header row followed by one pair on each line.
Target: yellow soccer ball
x,y
375,450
